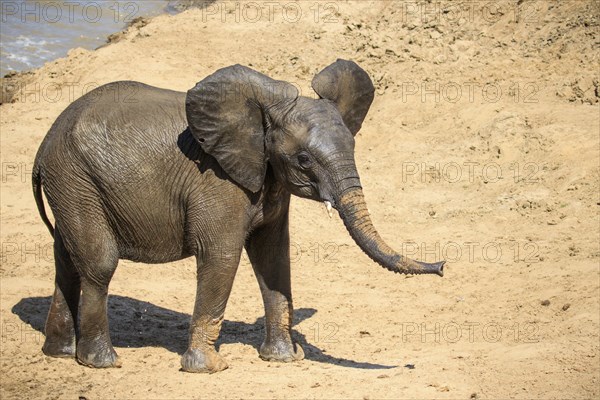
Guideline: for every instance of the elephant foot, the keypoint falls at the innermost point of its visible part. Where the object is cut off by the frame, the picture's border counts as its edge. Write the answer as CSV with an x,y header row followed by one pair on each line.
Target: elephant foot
x,y
281,352
97,355
205,361
59,348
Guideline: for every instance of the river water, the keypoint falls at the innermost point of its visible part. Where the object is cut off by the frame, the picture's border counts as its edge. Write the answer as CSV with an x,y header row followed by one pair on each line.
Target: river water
x,y
36,31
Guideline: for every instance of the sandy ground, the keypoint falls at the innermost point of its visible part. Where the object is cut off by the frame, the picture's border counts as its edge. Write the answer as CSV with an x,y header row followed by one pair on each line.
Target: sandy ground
x,y
482,147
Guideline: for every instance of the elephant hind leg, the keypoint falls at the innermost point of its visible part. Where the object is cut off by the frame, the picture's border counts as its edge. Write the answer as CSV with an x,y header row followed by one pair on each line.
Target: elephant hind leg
x,y
94,347
86,248
93,253
61,324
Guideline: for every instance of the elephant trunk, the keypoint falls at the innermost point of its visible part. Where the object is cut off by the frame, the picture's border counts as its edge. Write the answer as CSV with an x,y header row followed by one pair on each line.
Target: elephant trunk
x,y
353,211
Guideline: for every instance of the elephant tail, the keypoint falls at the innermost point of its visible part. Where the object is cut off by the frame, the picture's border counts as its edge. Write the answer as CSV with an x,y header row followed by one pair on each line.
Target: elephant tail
x,y
36,182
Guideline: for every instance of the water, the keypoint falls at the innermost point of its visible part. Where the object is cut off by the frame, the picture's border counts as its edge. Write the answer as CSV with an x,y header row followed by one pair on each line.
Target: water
x,y
33,32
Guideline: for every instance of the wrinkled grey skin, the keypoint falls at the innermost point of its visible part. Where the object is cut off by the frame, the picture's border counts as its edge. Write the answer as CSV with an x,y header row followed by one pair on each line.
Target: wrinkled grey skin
x,y
152,175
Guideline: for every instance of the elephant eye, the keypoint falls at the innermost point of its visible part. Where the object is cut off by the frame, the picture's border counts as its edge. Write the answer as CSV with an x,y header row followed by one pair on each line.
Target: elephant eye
x,y
304,160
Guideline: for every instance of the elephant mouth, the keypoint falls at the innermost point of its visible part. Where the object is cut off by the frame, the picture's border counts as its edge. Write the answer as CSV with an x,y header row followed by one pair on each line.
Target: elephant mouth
x,y
314,192
327,198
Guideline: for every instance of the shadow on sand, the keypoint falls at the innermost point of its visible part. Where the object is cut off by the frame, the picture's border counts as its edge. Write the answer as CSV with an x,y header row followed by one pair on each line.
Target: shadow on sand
x,y
136,323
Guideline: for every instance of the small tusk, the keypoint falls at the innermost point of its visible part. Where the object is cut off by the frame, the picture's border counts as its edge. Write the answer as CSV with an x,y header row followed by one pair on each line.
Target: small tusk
x,y
328,207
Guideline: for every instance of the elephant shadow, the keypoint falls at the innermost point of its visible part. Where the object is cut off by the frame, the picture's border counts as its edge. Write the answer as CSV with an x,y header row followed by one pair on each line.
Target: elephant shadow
x,y
136,323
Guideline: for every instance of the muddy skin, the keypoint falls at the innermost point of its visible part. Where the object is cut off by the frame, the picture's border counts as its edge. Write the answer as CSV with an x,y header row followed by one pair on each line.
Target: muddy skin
x,y
152,175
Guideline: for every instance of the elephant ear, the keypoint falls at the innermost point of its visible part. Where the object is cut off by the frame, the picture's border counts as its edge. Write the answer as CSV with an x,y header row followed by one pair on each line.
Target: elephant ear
x,y
227,113
350,88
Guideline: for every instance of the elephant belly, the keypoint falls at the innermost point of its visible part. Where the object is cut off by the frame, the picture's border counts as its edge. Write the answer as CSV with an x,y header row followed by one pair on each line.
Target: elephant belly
x,y
149,231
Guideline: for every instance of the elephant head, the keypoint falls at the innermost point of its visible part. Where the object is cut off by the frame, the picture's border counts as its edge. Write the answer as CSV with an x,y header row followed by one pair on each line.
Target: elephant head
x,y
247,120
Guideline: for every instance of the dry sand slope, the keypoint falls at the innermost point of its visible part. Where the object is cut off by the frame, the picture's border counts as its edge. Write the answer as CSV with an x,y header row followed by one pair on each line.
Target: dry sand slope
x,y
482,147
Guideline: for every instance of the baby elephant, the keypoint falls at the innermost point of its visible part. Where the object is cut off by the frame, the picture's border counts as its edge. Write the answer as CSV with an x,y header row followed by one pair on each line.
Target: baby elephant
x,y
151,175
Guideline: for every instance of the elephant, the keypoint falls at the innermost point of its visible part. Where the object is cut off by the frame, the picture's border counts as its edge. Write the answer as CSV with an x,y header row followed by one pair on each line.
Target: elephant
x,y
151,175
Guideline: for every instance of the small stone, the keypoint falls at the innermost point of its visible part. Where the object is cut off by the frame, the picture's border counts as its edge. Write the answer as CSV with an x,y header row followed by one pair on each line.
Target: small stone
x,y
566,307
545,303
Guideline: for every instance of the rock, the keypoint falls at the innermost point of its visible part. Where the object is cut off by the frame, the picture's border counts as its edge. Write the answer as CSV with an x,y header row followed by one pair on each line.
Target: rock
x,y
12,84
435,35
545,303
182,5
135,25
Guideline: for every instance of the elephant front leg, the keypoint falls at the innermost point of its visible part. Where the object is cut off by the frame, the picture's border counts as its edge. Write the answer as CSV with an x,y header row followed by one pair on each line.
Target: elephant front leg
x,y
268,249
215,279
